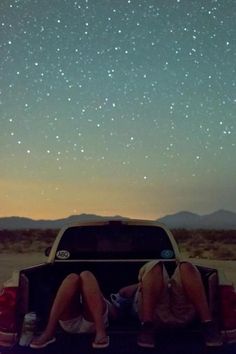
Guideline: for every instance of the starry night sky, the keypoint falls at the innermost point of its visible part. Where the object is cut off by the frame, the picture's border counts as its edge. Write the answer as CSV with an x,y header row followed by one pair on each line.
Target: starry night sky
x,y
117,107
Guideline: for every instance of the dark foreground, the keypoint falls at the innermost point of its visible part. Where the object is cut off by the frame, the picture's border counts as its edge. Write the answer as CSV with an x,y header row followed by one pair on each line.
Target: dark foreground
x,y
182,342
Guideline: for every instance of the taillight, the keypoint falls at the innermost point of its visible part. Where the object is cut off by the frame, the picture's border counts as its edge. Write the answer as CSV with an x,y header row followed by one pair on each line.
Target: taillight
x,y
228,306
8,297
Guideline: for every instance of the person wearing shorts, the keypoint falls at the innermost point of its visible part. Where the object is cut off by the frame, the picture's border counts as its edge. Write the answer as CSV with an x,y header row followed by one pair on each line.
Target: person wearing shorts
x,y
79,307
160,300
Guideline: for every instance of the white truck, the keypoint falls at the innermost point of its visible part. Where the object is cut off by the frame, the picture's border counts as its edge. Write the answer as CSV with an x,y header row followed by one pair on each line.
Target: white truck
x,y
114,251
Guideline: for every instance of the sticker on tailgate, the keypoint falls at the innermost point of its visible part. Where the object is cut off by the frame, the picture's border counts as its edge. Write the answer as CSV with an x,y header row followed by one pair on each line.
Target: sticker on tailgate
x,y
167,254
63,254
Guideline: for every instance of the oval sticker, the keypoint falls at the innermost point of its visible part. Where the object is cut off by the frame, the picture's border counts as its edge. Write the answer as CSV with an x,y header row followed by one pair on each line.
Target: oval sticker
x,y
167,254
63,254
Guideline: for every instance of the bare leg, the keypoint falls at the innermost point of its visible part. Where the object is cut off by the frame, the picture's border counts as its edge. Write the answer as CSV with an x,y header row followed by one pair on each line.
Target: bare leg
x,y
193,286
65,306
94,305
128,291
151,288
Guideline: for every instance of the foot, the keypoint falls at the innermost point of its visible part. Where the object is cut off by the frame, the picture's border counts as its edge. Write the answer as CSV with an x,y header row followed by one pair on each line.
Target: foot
x,y
42,341
211,334
146,337
101,342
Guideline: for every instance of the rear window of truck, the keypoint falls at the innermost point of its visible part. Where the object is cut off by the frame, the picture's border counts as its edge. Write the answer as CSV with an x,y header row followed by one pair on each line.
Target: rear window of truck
x,y
115,242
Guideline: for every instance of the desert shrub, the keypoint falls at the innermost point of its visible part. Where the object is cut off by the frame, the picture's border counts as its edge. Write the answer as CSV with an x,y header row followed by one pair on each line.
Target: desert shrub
x,y
26,240
214,244
195,253
225,252
181,235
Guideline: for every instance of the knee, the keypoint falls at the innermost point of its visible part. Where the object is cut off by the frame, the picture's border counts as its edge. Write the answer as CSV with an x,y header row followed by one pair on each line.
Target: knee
x,y
187,268
154,274
86,275
157,270
72,279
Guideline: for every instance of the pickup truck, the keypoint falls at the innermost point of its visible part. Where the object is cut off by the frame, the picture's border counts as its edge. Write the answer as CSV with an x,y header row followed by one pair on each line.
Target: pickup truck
x,y
114,250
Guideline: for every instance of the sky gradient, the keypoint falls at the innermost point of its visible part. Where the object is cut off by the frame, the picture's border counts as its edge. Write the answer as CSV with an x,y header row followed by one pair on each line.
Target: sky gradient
x,y
117,107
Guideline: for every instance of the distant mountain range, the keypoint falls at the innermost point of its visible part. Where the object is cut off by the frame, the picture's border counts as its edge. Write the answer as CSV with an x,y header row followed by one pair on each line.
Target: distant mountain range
x,y
17,223
221,219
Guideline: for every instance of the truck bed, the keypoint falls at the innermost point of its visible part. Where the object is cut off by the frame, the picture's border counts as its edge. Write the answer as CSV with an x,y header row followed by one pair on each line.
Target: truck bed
x,y
38,288
39,284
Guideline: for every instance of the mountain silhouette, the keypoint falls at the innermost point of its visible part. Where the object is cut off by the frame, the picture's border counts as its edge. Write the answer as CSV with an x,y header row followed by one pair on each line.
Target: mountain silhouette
x,y
221,219
16,222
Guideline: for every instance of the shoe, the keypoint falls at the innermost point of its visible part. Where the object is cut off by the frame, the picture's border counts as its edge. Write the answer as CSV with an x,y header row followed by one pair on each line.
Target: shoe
x,y
42,345
101,343
122,304
120,301
146,336
211,334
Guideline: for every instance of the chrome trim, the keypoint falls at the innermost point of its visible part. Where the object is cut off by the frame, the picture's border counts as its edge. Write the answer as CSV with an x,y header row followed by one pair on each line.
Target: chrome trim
x,y
113,260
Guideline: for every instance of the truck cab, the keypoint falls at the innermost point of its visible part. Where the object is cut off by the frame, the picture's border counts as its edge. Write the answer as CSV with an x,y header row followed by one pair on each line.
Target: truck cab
x,y
114,250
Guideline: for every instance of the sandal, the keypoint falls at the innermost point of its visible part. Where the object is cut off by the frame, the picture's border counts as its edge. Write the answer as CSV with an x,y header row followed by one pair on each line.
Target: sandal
x,y
42,345
101,343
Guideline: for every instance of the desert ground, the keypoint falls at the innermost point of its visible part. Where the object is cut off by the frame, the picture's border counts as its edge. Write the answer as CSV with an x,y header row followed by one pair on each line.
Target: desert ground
x,y
10,262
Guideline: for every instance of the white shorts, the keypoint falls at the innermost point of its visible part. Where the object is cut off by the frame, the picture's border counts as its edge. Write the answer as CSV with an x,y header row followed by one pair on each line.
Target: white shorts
x,y
80,325
173,307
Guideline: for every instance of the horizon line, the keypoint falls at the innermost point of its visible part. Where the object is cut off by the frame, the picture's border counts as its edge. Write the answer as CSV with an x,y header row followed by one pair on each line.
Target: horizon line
x,y
118,215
